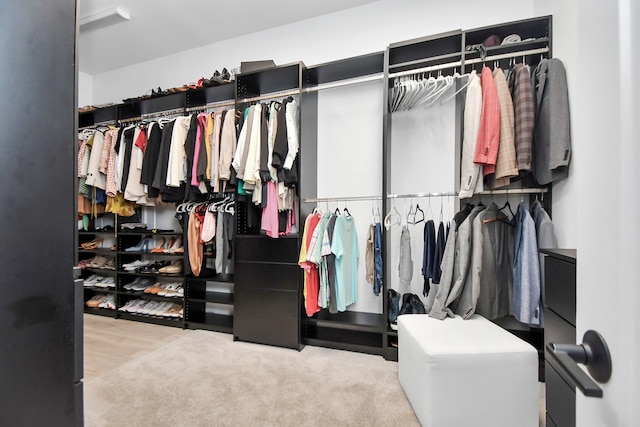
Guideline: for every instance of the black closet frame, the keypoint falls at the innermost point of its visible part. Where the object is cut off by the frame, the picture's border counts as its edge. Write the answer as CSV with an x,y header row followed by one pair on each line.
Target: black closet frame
x,y
437,51
348,330
354,331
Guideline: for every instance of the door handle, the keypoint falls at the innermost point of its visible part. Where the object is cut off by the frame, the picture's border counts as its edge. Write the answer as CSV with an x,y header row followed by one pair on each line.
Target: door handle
x,y
593,353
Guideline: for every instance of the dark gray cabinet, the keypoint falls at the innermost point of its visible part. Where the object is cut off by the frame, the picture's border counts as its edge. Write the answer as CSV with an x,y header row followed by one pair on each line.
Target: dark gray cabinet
x,y
560,327
268,291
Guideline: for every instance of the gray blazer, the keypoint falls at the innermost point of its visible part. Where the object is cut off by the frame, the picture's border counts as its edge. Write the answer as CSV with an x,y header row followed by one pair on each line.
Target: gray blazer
x,y
463,256
552,133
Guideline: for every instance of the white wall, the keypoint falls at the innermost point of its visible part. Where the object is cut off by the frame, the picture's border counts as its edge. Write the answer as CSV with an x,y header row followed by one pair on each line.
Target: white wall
x,y
598,40
565,47
85,89
352,32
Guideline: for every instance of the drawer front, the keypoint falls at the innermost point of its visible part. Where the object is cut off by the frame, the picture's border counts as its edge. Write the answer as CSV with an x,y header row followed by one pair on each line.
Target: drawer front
x,y
560,287
267,302
266,249
258,328
557,330
256,275
561,399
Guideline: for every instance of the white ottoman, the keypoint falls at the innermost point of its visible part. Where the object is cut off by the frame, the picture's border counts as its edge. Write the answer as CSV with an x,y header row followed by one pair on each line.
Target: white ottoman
x,y
462,373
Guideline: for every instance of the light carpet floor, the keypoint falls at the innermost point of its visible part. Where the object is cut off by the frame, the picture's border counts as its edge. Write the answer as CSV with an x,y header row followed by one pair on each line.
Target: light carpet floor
x,y
206,379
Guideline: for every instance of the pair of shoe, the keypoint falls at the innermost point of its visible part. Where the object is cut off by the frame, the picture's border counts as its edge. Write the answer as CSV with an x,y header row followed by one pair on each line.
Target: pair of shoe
x,y
132,266
218,78
174,268
153,308
139,284
93,244
172,246
109,302
102,301
171,290
105,282
411,304
105,262
142,246
152,268
96,300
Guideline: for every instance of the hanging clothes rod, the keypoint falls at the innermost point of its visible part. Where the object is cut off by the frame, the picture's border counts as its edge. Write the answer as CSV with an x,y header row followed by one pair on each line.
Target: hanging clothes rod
x,y
211,105
272,95
412,195
130,120
508,55
483,193
105,123
514,191
345,82
160,114
426,69
339,199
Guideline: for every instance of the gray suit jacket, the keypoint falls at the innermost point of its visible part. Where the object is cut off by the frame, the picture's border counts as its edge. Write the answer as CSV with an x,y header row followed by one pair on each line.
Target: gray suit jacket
x,y
438,310
552,134
463,256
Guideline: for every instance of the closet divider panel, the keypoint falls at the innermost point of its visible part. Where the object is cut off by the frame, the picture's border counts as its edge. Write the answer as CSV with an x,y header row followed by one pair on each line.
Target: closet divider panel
x,y
268,281
420,156
346,108
446,53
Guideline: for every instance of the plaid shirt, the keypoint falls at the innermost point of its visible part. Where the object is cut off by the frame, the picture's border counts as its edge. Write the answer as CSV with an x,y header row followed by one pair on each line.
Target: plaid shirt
x,y
524,107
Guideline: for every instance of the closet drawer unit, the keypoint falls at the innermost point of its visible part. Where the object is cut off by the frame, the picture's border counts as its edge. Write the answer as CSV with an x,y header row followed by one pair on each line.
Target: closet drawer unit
x,y
256,275
557,330
266,302
266,249
561,399
264,329
560,287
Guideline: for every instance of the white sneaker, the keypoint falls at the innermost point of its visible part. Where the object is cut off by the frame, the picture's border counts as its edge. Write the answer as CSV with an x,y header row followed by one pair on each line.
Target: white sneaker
x,y
162,308
149,307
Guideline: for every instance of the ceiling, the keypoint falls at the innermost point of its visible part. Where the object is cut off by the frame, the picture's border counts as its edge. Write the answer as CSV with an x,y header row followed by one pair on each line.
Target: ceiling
x,y
162,27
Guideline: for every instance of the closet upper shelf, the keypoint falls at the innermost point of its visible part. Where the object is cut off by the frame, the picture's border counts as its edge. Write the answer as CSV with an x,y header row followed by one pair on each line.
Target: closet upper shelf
x,y
269,82
344,69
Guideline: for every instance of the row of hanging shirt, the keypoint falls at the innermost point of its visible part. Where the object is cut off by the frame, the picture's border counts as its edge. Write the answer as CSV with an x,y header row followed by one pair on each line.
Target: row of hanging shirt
x,y
178,159
491,264
329,256
434,242
208,225
266,162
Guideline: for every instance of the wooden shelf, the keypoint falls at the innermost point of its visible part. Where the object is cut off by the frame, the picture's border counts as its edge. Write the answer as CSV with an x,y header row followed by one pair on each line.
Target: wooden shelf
x,y
350,320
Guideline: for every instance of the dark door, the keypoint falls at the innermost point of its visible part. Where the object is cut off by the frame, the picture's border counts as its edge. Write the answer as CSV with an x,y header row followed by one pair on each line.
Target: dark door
x,y
39,381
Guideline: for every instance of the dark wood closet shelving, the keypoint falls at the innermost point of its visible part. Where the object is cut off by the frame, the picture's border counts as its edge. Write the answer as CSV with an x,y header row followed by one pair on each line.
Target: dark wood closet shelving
x,y
440,50
266,289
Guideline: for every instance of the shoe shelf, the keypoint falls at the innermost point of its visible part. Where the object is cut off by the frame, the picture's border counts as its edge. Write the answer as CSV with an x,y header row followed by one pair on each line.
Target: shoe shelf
x,y
101,251
209,321
156,320
209,302
107,312
349,330
351,320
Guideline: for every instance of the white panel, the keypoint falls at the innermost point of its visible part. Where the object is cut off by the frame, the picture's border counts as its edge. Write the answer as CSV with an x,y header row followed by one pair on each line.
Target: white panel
x,y
422,161
350,164
85,89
